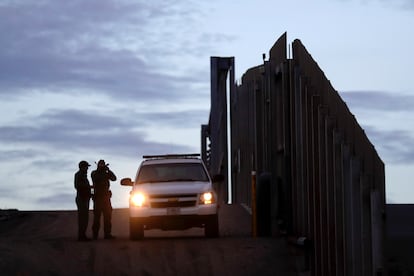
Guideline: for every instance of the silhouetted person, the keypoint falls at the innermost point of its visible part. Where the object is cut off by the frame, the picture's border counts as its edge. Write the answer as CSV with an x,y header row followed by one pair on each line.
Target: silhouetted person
x,y
102,199
83,195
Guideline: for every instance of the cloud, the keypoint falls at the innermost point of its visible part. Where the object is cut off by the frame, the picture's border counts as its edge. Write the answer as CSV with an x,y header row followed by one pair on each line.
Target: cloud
x,y
67,49
179,119
395,146
16,154
76,131
393,142
57,201
379,100
405,5
117,74
104,47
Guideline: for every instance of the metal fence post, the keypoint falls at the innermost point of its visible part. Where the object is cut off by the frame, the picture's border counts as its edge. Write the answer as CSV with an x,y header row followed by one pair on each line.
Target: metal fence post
x,y
254,209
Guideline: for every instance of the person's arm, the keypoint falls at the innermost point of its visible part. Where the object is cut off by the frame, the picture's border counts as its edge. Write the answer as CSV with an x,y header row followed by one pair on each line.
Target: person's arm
x,y
76,181
93,178
112,176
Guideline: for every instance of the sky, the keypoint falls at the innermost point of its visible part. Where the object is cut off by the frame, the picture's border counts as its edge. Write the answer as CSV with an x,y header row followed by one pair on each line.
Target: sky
x,y
114,80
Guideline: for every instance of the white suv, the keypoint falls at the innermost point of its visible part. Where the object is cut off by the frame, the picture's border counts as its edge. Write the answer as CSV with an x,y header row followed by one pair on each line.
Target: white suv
x,y
172,192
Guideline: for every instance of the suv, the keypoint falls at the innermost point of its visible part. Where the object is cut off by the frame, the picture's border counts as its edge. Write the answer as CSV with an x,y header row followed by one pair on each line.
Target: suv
x,y
172,192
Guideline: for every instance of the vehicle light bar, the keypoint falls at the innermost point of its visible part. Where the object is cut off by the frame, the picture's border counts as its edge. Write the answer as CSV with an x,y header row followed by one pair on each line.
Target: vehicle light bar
x,y
166,156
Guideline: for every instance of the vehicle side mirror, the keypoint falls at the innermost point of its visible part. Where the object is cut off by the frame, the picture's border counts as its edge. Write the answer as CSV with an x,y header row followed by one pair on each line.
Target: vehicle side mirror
x,y
127,182
218,178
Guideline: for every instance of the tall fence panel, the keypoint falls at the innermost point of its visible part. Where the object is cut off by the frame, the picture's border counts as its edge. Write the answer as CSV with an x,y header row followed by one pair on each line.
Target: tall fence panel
x,y
327,184
214,135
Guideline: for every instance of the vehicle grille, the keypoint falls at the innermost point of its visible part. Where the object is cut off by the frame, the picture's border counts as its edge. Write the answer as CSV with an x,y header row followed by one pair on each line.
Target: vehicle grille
x,y
170,201
173,196
170,204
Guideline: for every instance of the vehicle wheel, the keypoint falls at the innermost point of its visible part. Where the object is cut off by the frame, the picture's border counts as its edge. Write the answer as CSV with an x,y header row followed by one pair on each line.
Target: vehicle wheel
x,y
136,229
211,228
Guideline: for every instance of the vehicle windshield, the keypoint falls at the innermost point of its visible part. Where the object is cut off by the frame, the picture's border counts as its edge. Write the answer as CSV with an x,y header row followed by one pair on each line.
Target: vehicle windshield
x,y
172,172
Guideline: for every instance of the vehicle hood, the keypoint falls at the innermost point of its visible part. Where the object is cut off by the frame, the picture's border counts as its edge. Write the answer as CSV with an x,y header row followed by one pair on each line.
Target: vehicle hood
x,y
173,187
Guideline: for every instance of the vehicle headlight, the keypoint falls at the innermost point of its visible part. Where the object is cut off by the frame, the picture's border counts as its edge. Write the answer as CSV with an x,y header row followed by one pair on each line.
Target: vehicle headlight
x,y
207,198
138,199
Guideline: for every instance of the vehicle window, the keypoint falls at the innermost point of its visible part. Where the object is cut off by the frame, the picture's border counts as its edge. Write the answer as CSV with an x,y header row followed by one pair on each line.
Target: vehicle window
x,y
172,172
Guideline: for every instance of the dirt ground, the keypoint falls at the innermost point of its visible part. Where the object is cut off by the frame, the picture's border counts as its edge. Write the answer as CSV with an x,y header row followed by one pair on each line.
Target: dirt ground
x,y
44,243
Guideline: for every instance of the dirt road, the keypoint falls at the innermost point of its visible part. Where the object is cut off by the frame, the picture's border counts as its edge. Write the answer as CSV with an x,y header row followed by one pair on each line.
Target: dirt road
x,y
44,243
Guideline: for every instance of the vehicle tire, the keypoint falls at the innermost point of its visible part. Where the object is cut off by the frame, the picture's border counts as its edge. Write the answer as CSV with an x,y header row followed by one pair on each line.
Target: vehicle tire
x,y
211,228
136,229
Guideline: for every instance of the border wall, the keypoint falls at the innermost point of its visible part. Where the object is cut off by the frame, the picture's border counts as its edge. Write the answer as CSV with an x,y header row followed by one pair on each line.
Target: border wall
x,y
318,176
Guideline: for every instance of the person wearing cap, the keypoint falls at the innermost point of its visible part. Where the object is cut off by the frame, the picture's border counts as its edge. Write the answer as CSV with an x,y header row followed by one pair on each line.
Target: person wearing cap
x,y
83,195
102,199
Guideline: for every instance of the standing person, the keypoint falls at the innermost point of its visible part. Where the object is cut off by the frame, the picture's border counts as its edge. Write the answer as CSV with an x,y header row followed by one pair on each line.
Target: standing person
x,y
83,195
102,199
